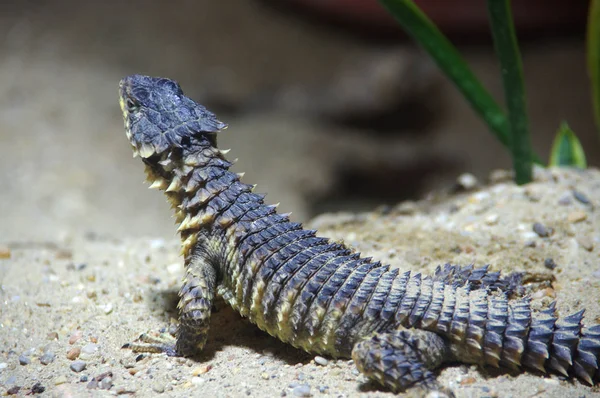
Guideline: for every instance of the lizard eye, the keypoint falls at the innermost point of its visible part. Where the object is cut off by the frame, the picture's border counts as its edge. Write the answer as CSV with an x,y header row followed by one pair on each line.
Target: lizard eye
x,y
131,105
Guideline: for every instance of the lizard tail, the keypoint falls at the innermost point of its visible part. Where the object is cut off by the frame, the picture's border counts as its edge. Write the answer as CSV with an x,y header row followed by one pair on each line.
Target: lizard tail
x,y
564,345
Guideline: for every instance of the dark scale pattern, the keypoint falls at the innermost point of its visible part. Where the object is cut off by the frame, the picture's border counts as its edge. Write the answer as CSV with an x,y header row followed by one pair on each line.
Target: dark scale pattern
x,y
319,295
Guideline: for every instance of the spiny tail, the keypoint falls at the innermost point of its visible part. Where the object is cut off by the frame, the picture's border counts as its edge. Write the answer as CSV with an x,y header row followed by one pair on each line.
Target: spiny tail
x,y
564,345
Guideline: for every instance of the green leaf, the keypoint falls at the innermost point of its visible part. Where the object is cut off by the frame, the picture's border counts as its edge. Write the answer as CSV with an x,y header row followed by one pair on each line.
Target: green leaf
x,y
593,56
420,27
566,149
507,49
427,35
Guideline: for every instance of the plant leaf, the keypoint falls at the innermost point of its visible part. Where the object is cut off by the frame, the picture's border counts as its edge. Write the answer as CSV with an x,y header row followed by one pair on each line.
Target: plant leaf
x,y
507,49
593,56
427,35
566,149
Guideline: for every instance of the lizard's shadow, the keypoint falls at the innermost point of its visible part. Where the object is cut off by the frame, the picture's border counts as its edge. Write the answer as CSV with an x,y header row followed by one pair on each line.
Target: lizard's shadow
x,y
228,328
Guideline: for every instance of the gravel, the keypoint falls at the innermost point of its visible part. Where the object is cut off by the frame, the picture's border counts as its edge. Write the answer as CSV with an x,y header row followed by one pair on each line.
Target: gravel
x,y
78,366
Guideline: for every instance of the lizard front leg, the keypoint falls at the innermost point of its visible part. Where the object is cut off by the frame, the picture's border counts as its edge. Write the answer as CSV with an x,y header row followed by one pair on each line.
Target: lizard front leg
x,y
195,303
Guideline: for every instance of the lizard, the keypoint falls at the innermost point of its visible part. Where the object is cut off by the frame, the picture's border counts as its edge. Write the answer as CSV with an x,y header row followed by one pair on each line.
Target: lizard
x,y
319,295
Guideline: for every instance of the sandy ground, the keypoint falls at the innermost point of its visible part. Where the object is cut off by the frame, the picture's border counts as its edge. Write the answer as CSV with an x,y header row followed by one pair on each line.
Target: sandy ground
x,y
63,322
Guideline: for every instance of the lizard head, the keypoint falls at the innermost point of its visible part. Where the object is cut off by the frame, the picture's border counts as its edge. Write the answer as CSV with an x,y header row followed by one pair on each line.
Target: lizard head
x,y
160,118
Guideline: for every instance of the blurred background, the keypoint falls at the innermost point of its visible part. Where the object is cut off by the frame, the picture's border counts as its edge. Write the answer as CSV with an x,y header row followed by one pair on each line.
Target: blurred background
x,y
330,107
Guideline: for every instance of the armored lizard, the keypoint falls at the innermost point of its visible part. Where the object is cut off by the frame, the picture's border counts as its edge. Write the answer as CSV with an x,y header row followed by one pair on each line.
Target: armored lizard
x,y
319,295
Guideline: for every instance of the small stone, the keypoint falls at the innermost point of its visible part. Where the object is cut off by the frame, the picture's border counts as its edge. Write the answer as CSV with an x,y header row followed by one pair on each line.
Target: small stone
x,y
302,390
200,370
586,242
530,243
14,390
73,353
93,384
541,230
576,216
533,195
492,219
3,365
549,263
77,366
47,358
467,381
582,198
547,292
197,381
89,349
60,380
467,181
83,378
323,389
24,360
406,208
76,335
108,308
264,376
38,388
158,387
106,383
321,361
81,266
52,336
498,175
4,252
565,200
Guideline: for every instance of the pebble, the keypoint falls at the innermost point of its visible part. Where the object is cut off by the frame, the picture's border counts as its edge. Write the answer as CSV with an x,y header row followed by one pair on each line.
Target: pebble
x,y
77,366
492,219
4,252
89,349
467,381
576,216
302,390
197,381
60,380
106,383
3,365
467,181
406,208
479,197
47,358
323,389
76,335
160,387
201,370
264,376
93,384
586,243
499,175
565,200
52,336
38,388
541,230
108,308
24,360
549,263
582,198
321,361
14,390
73,353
